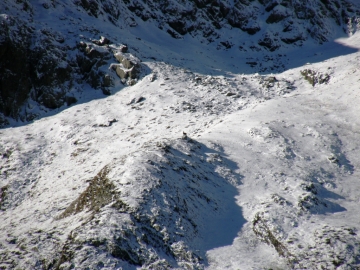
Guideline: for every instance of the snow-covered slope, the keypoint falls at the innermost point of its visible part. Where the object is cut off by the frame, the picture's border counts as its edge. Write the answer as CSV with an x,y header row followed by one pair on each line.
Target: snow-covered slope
x,y
202,164
55,53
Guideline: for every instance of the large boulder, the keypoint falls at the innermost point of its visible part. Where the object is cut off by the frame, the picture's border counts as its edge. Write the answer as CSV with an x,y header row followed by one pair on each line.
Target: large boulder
x,y
129,67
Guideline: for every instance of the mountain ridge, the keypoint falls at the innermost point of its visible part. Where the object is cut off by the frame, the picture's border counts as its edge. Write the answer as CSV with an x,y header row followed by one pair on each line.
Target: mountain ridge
x,y
130,149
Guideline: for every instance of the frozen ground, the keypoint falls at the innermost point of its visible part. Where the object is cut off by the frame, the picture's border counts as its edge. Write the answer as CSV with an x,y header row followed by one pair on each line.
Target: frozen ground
x,y
266,177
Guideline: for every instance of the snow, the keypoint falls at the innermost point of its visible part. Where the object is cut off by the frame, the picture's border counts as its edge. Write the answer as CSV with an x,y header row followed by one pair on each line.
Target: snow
x,y
266,149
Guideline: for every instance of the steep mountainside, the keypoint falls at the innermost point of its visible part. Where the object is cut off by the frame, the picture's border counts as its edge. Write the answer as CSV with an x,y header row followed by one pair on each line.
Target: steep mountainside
x,y
179,134
50,49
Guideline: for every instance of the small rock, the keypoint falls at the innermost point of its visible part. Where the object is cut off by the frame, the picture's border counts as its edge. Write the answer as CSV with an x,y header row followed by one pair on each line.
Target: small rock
x,y
136,100
102,41
112,121
152,77
93,53
70,100
140,99
123,48
333,159
82,44
131,82
107,80
60,39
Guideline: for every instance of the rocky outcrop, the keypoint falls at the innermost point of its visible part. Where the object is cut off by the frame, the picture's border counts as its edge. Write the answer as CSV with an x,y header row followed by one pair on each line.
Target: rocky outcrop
x,y
15,66
39,68
206,19
315,77
34,65
91,58
128,69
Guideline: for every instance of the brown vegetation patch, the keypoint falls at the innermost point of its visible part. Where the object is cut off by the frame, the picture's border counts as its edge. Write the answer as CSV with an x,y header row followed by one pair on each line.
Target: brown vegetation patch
x,y
100,192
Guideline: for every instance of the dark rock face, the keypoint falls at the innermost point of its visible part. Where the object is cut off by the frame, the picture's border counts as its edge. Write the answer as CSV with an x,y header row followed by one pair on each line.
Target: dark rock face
x,y
90,58
269,42
29,70
15,84
206,18
278,14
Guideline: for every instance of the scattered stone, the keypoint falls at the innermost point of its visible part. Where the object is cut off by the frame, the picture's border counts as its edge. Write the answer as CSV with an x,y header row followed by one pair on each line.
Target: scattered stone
x,y
269,42
198,79
278,199
131,82
251,63
269,82
136,100
333,159
112,121
226,44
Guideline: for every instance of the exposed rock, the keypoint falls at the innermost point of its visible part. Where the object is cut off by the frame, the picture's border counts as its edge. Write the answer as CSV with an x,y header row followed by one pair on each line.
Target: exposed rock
x,y
102,41
294,39
99,193
70,100
123,48
207,18
107,80
136,100
269,81
127,60
129,67
265,231
314,77
278,14
152,77
132,82
35,73
91,6
226,44
269,42
38,66
15,82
